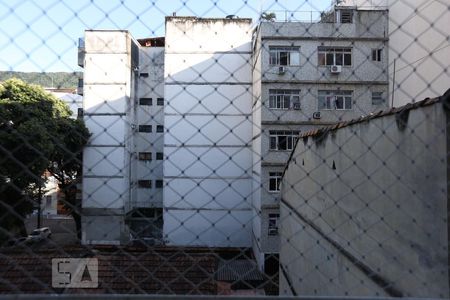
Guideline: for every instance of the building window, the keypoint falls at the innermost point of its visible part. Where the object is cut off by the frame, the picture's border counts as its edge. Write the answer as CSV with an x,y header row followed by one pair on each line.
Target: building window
x,y
376,54
145,156
159,128
145,184
159,183
283,139
284,56
339,100
143,75
377,98
274,181
145,101
328,56
346,15
145,128
160,101
273,224
159,156
284,99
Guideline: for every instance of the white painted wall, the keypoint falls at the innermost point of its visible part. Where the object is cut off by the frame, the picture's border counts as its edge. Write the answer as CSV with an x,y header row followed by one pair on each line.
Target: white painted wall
x,y
108,103
207,198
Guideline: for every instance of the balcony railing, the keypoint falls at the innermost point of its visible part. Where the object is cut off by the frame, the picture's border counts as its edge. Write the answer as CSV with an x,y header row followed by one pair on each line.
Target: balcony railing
x,y
292,16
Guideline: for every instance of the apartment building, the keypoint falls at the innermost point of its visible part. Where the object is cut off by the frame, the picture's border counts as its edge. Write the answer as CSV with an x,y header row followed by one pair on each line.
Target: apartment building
x,y
122,163
307,75
191,132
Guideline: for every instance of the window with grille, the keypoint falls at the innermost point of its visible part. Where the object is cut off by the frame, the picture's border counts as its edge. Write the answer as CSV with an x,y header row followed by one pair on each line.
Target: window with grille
x,y
274,181
145,184
145,156
283,139
145,101
284,56
377,98
332,56
145,128
159,128
284,99
376,54
346,15
339,100
160,101
273,224
159,156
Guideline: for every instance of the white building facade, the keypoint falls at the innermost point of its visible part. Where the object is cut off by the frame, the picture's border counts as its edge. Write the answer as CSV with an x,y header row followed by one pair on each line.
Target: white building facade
x,y
208,165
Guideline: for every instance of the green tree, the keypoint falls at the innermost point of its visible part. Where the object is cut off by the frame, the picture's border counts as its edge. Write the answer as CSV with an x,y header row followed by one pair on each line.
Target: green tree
x,y
36,134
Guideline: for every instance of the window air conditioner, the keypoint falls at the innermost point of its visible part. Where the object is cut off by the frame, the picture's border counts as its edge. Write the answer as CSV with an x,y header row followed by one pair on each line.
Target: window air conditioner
x,y
316,115
281,70
335,69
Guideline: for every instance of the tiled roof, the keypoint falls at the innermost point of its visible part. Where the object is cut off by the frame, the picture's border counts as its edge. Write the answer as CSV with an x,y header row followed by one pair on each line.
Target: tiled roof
x,y
240,269
153,271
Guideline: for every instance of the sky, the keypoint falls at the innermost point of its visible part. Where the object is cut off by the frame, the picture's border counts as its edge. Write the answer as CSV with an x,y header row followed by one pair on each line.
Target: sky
x,y
42,35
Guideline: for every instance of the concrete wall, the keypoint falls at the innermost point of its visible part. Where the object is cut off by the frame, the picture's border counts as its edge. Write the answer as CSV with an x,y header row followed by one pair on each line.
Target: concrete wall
x,y
364,209
109,91
256,147
208,166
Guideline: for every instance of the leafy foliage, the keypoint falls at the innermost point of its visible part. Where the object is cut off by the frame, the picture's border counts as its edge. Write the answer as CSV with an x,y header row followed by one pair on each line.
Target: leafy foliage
x,y
36,134
49,79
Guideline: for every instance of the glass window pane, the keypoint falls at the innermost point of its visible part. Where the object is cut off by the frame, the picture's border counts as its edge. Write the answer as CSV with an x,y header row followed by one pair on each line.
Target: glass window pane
x,y
282,142
273,142
339,102
273,58
348,103
330,59
339,59
272,103
347,59
287,102
321,59
284,58
295,58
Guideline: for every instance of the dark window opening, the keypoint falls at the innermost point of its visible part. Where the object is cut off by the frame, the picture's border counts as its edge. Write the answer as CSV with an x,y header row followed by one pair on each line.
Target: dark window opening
x,y
145,128
145,184
145,156
159,183
145,101
159,156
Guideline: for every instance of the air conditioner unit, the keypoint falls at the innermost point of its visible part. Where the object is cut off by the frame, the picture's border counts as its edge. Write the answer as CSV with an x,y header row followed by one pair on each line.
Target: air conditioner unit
x,y
281,70
316,115
335,69
296,106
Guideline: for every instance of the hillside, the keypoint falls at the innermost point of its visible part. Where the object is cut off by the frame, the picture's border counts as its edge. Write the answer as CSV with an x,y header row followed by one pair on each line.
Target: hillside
x,y
50,79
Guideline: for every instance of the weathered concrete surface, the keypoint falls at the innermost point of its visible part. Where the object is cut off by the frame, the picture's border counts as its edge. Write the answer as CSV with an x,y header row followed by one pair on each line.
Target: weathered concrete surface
x,y
364,209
